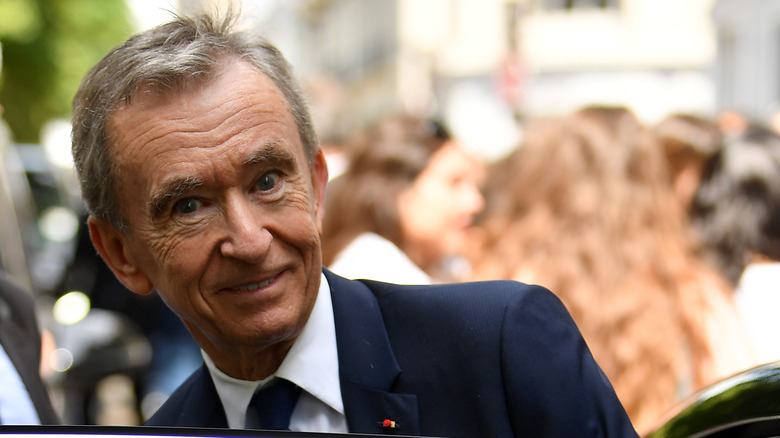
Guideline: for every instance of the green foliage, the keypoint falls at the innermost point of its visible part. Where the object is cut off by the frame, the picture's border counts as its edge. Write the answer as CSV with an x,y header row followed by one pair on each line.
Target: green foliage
x,y
47,47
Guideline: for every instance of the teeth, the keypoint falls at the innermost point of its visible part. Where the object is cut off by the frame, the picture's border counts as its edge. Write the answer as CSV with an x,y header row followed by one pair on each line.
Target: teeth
x,y
254,286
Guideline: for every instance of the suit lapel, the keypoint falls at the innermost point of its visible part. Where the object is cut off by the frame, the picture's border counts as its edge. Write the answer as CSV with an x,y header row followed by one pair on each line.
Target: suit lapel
x,y
367,365
201,405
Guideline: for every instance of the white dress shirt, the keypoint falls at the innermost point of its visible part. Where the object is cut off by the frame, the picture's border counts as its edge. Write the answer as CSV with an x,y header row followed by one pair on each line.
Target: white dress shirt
x,y
16,407
758,298
312,364
372,257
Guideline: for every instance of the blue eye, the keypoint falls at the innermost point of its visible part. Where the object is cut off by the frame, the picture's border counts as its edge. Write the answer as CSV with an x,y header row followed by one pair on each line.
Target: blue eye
x,y
268,181
187,205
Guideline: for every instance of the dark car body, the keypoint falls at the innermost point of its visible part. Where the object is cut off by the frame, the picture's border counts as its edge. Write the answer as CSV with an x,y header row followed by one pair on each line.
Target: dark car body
x,y
743,405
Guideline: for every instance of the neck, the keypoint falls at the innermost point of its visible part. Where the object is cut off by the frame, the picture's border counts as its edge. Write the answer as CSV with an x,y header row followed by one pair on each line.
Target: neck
x,y
247,362
758,258
421,258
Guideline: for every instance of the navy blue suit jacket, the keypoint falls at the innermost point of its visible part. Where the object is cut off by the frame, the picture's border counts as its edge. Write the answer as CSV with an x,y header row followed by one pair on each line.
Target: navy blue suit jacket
x,y
490,359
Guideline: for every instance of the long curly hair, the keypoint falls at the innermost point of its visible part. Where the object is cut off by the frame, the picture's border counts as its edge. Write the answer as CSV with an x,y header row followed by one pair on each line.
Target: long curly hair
x,y
585,207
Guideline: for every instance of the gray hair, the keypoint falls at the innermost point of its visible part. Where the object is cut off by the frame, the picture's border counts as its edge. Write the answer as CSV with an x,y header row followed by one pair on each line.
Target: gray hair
x,y
170,57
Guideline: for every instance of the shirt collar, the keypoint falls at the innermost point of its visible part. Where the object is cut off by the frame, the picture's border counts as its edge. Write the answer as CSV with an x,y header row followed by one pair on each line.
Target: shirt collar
x,y
312,363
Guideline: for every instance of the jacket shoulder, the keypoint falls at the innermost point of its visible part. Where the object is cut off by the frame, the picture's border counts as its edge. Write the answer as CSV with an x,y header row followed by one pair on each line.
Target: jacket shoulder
x,y
466,300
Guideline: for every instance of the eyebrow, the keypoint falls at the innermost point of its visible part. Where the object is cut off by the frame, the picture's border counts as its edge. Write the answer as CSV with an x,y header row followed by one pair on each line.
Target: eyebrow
x,y
272,151
170,190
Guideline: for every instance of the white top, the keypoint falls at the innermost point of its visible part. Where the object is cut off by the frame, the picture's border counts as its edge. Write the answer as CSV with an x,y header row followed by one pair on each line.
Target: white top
x,y
312,364
373,257
758,303
16,407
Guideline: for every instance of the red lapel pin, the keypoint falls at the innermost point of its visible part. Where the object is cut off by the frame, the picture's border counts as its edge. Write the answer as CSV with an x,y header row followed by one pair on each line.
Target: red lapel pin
x,y
389,424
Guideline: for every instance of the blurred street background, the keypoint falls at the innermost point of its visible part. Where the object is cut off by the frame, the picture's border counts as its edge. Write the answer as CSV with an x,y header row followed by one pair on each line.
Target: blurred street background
x,y
483,66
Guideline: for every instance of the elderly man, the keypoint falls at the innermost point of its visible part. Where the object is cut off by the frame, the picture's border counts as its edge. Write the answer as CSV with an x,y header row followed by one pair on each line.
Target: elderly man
x,y
205,184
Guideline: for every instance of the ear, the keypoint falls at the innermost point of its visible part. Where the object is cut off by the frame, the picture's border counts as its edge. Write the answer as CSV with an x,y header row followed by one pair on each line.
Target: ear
x,y
113,247
319,177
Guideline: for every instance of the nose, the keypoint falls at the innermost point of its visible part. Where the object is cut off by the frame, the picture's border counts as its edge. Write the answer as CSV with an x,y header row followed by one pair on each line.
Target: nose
x,y
246,239
474,202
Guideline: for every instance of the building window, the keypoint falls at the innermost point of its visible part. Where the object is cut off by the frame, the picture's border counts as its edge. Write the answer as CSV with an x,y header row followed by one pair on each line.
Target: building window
x,y
578,4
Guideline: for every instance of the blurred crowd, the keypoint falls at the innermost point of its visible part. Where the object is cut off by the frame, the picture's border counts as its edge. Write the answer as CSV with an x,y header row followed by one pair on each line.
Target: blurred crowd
x,y
661,240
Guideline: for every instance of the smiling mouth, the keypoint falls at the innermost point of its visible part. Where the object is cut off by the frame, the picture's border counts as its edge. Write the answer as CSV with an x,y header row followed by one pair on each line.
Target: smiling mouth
x,y
258,285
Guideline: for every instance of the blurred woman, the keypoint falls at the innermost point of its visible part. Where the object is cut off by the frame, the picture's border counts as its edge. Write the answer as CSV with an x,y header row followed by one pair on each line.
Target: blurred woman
x,y
736,211
585,208
401,211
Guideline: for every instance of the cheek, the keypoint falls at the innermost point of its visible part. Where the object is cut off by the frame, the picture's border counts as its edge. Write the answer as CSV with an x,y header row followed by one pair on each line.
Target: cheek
x,y
437,209
298,216
301,230
179,258
168,247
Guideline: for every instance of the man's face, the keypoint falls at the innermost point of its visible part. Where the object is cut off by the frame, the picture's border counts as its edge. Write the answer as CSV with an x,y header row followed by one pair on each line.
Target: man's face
x,y
224,214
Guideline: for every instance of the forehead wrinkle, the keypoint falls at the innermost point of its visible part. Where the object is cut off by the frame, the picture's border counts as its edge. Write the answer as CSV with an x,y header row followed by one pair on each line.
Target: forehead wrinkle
x,y
185,121
171,189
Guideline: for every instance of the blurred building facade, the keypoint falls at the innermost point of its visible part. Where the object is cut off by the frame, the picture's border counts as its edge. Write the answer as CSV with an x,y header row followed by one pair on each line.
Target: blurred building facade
x,y
484,64
654,56
748,61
